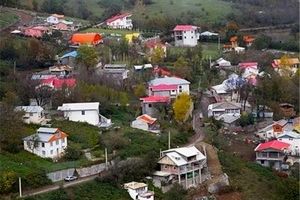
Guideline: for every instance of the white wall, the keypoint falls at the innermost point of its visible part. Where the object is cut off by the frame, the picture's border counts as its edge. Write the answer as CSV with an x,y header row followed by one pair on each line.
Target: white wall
x,y
134,193
36,118
56,150
120,23
295,144
90,116
189,38
140,125
52,20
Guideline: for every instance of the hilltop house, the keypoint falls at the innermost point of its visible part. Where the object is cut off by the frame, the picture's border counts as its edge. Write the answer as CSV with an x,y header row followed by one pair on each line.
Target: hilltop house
x,y
86,39
151,104
168,86
139,191
85,112
291,64
217,109
33,114
61,70
183,165
146,123
248,39
36,31
272,154
116,72
292,138
186,35
47,143
120,21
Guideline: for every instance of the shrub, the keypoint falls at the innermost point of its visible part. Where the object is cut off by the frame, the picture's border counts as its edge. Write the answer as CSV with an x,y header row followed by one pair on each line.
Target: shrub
x,y
36,178
73,152
7,181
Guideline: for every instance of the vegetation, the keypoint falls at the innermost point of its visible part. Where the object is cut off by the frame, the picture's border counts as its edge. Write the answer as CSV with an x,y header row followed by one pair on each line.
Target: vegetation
x,y
182,106
7,18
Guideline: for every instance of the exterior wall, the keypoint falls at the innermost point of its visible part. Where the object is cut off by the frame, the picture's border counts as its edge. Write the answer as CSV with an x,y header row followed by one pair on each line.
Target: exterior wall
x,y
169,168
90,116
140,125
161,93
134,193
50,150
171,93
189,38
34,118
52,20
146,109
295,145
218,112
270,159
121,23
184,88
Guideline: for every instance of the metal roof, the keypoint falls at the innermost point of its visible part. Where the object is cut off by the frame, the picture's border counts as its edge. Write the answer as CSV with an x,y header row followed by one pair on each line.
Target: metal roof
x,y
29,109
168,81
79,106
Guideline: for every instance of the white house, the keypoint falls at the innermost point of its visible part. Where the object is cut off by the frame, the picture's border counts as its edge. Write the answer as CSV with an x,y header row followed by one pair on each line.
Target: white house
x,y
84,112
217,109
186,35
33,114
292,138
47,143
120,21
52,20
168,86
146,123
139,191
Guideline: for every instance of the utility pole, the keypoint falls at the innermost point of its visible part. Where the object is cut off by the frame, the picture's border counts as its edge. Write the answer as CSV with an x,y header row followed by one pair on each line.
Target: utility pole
x,y
169,140
106,163
219,42
20,187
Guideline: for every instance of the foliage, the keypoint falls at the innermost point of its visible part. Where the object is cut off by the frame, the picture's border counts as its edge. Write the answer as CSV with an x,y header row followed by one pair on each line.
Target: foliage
x,y
177,192
246,119
7,181
87,56
140,90
182,68
73,152
114,141
36,178
262,42
181,107
157,55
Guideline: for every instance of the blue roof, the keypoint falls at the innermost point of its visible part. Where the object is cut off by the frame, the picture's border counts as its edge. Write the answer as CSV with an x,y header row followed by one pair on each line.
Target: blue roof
x,y
70,54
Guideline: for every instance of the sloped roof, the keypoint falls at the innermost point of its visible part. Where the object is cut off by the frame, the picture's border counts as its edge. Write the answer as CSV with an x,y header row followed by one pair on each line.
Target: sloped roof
x,y
168,81
47,130
185,151
57,16
86,38
228,118
146,118
118,16
185,28
291,134
58,83
70,54
225,105
274,144
134,185
46,135
79,106
244,65
30,109
59,68
155,99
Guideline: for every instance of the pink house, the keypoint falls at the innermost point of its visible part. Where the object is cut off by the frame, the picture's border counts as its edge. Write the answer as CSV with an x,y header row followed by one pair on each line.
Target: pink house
x,y
57,83
61,26
37,31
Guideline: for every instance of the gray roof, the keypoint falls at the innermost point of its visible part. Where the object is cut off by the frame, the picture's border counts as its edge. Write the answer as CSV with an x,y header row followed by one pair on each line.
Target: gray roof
x,y
47,130
79,106
228,118
225,105
290,134
169,81
41,137
30,109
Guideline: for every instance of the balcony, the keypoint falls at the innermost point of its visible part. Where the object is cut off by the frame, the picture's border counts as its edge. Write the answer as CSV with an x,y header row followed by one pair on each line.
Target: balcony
x,y
269,156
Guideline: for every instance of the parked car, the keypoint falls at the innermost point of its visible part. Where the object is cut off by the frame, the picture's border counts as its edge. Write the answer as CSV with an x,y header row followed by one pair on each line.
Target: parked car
x,y
71,178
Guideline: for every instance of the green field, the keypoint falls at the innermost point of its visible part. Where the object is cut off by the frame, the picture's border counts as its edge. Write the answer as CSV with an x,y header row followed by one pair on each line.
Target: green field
x,y
7,18
108,31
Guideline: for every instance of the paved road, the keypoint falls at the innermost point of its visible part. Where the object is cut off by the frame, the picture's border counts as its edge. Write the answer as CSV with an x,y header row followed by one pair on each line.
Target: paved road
x,y
58,185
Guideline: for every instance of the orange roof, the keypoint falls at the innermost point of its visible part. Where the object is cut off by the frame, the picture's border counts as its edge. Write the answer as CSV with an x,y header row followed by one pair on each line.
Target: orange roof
x,y
146,118
86,38
58,16
57,136
233,39
248,38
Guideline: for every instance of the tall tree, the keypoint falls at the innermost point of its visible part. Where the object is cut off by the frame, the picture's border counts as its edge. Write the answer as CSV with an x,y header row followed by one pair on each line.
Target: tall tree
x,y
87,56
182,106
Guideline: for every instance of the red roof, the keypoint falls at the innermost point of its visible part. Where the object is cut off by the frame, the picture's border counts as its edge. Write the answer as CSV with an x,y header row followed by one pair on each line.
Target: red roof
x,y
274,144
118,16
57,136
244,65
162,87
155,99
161,71
58,83
86,38
146,118
185,28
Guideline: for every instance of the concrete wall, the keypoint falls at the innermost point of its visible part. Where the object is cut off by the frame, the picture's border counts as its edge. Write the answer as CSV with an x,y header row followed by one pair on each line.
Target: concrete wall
x,y
90,116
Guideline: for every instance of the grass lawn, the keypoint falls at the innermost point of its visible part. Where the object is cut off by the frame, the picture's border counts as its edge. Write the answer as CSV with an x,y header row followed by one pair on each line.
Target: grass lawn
x,y
109,31
89,191
24,162
7,18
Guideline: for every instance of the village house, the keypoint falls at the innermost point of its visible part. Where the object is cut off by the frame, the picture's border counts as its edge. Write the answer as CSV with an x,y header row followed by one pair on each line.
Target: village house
x,y
250,71
54,18
139,191
292,138
85,112
92,39
248,39
116,72
168,86
222,63
57,83
61,70
272,154
36,31
182,165
186,35
228,119
276,128
151,104
47,143
61,26
290,65
32,114
153,43
232,83
217,109
146,123
120,21
68,59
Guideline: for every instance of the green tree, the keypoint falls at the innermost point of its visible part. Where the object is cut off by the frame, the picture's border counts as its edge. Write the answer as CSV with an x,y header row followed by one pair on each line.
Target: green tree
x,y
182,69
177,192
87,56
262,42
181,107
7,180
157,55
140,90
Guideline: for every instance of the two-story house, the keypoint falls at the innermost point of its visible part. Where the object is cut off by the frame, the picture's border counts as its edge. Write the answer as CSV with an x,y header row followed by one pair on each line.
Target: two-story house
x,y
292,138
139,191
32,114
183,165
217,109
168,86
120,21
186,35
47,143
272,154
85,112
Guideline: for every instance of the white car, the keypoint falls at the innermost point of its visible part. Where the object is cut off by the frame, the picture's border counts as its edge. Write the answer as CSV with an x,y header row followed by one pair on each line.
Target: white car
x,y
71,178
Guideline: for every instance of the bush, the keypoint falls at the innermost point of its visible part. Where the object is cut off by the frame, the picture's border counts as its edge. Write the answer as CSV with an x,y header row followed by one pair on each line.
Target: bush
x,y
36,178
73,152
246,119
7,181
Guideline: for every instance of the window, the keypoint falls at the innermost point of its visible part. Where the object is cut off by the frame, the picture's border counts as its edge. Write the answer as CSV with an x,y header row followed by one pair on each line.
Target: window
x,y
63,140
43,144
51,152
184,31
57,142
51,144
184,37
150,105
30,114
166,166
44,153
83,112
291,139
174,167
262,161
192,37
192,31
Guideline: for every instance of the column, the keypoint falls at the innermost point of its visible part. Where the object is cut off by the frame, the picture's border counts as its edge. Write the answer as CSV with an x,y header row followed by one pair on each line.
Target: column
x,y
179,178
193,181
200,175
186,186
